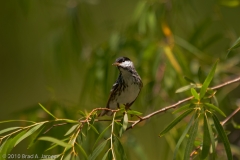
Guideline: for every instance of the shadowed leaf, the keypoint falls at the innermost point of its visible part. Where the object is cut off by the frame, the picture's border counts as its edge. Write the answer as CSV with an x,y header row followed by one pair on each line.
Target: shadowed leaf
x,y
223,136
175,122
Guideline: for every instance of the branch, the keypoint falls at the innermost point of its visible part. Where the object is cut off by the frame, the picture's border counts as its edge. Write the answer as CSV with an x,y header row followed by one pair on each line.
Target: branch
x,y
173,106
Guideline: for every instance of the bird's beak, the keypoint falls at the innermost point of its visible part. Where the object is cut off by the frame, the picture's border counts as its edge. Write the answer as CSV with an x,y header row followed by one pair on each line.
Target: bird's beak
x,y
116,64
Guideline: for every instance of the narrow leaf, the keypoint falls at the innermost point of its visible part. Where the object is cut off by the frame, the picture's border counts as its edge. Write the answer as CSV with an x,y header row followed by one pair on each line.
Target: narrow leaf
x,y
223,136
189,80
54,140
9,129
175,122
47,111
180,109
192,135
35,136
132,112
82,150
211,136
194,93
208,80
105,155
94,128
97,150
8,146
185,88
206,139
182,137
101,135
235,45
215,108
28,133
119,149
71,129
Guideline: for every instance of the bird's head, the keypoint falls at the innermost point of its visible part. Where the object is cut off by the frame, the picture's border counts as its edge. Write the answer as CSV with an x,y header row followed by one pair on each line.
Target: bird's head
x,y
124,63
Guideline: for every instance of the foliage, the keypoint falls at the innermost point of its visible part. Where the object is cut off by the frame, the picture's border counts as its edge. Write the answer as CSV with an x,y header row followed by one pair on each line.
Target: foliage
x,y
60,53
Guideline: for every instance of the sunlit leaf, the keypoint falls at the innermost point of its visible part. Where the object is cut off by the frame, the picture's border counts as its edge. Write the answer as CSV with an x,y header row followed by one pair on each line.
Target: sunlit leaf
x,y
132,112
9,129
28,133
192,135
54,140
194,93
223,136
97,150
215,109
208,80
71,129
185,88
125,122
47,111
175,122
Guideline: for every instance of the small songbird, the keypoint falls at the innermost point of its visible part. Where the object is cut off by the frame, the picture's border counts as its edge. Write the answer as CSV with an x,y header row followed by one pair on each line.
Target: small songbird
x,y
127,87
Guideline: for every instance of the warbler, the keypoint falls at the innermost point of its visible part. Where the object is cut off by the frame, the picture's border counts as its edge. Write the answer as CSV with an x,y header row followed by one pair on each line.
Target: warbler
x,y
126,88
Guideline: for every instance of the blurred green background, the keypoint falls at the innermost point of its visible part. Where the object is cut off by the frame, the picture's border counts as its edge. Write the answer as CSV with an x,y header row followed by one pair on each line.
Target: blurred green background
x,y
59,53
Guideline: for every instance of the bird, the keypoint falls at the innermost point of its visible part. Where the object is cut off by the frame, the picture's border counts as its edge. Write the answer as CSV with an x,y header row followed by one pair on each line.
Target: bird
x,y
126,88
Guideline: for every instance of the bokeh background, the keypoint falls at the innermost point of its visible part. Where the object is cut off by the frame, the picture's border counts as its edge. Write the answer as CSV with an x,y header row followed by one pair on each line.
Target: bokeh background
x,y
59,54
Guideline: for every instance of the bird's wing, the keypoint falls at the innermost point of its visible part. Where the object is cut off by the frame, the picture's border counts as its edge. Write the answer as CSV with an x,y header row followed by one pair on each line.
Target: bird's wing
x,y
114,89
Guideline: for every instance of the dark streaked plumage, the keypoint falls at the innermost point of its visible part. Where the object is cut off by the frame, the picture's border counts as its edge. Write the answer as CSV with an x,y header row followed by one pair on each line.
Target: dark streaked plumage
x,y
127,87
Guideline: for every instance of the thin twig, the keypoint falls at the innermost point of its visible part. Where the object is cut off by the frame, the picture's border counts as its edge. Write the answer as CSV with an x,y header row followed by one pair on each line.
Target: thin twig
x,y
173,106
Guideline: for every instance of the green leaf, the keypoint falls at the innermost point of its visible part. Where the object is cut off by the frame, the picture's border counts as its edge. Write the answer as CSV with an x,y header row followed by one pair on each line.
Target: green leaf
x,y
211,136
175,122
223,136
34,137
9,129
215,108
189,80
119,149
54,140
97,150
235,45
105,155
125,122
185,88
28,133
194,93
182,137
132,112
208,80
82,150
95,130
180,109
47,111
192,135
206,139
71,129
101,135
8,146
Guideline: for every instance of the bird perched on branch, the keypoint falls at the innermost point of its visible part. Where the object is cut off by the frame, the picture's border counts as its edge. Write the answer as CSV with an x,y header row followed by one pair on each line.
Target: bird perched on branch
x,y
127,87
